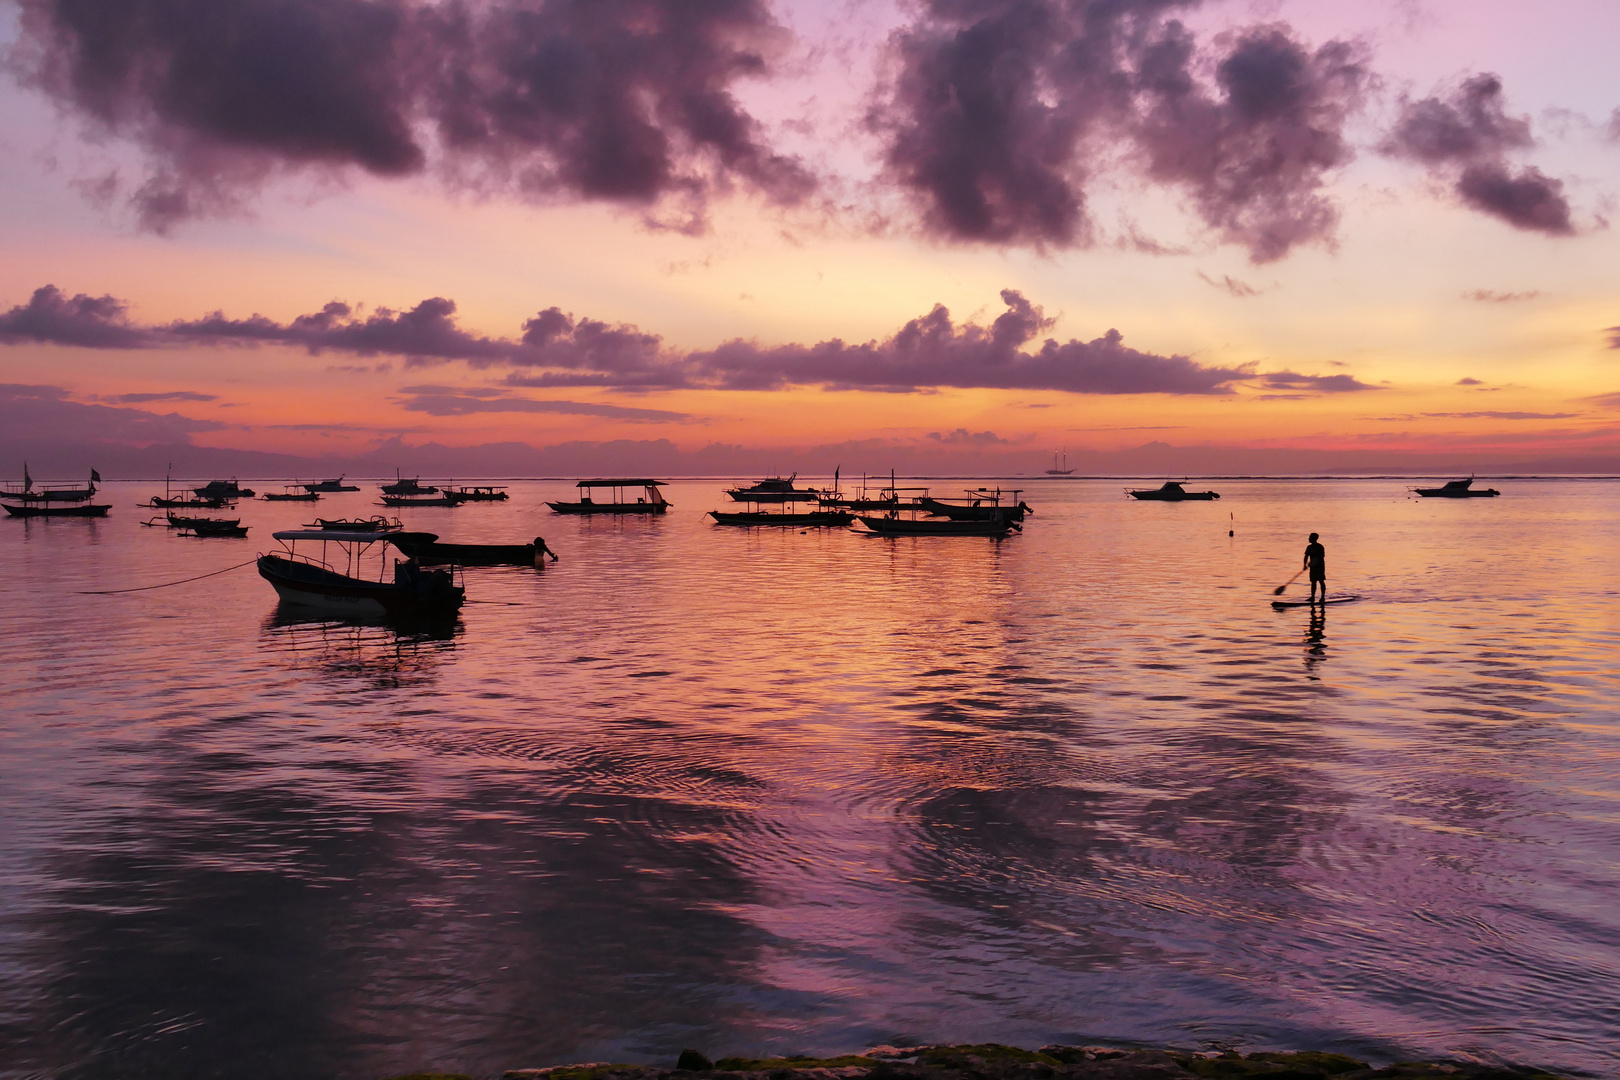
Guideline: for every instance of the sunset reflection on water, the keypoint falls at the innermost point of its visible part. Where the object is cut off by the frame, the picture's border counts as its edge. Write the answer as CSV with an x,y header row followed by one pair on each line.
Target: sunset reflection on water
x,y
778,791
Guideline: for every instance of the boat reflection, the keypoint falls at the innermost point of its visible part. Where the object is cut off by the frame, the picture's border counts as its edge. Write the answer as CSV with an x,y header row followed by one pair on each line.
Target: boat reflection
x,y
387,652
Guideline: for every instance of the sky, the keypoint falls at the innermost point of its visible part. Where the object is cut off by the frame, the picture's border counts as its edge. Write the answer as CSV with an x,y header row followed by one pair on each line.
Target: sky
x,y
725,234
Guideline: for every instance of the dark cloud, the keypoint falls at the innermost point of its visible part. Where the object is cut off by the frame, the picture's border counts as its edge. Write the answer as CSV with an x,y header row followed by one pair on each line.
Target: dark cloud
x,y
462,401
1469,380
1467,137
964,437
558,350
1614,337
997,107
623,100
51,317
46,412
1320,384
170,395
1491,296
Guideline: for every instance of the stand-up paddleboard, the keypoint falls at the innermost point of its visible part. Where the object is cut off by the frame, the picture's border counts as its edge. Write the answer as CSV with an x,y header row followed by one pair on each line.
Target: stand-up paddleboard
x,y
1341,599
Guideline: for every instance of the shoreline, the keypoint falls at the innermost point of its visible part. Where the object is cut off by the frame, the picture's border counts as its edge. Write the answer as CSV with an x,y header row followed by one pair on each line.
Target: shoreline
x,y
993,1061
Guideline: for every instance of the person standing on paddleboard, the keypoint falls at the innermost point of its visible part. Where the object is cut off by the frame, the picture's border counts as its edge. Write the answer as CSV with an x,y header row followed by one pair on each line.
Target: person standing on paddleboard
x,y
1316,563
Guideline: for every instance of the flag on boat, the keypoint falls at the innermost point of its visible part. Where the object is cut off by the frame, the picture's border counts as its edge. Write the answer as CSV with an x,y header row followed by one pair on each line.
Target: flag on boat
x,y
95,477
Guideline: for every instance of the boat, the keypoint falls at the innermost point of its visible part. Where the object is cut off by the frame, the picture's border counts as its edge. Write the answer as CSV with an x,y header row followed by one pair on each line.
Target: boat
x,y
300,578
1171,492
294,493
1055,470
786,517
224,490
26,493
376,523
773,489
54,509
326,486
1457,489
429,550
983,505
211,528
481,493
414,486
442,498
895,525
651,501
888,498
170,501
179,521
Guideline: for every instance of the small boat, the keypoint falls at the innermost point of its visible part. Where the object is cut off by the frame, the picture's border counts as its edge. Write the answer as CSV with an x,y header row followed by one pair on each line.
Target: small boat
x,y
326,486
1457,489
207,528
430,551
932,526
224,490
443,498
55,509
1055,470
1171,492
414,486
481,493
651,501
888,498
786,517
376,524
773,489
300,578
26,493
294,493
180,521
170,501
983,505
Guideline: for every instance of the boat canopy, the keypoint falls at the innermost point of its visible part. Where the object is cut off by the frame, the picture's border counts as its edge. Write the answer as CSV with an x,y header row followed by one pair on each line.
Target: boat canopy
x,y
620,483
337,535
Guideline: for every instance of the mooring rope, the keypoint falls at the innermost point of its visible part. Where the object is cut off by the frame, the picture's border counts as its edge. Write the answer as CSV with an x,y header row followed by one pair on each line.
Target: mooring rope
x,y
166,584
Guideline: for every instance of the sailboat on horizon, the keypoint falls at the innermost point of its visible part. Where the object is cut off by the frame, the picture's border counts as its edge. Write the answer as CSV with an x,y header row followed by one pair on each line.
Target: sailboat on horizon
x,y
1056,470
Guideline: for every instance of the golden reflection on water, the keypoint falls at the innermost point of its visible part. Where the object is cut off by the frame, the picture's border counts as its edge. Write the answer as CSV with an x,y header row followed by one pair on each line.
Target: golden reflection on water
x,y
779,790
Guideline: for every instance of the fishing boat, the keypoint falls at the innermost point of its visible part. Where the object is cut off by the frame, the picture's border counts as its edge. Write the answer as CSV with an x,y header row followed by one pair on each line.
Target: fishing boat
x,y
481,493
981,505
26,493
786,516
183,501
442,498
897,525
375,524
211,528
1171,492
1064,470
224,490
327,486
427,548
887,498
1457,489
294,493
773,489
56,509
182,521
315,581
413,486
651,501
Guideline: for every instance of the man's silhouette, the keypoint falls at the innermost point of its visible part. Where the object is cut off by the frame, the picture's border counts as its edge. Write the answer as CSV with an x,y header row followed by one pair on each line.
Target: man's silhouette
x,y
1316,561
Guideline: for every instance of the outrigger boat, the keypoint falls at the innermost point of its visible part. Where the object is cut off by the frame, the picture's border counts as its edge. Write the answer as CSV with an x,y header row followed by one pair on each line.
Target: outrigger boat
x,y
25,502
894,525
888,498
207,528
773,489
46,509
375,524
330,485
224,490
294,493
443,498
171,501
299,578
1171,492
426,548
414,486
984,506
481,493
650,502
1457,489
786,516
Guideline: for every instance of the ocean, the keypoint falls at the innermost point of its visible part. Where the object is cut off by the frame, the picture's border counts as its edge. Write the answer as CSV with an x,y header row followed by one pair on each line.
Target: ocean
x,y
779,791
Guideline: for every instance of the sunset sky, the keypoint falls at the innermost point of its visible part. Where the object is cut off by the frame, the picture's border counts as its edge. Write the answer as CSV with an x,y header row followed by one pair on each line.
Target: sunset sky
x,y
957,227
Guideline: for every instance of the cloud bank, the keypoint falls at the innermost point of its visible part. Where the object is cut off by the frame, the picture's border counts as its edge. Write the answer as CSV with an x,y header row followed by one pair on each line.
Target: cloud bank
x,y
557,350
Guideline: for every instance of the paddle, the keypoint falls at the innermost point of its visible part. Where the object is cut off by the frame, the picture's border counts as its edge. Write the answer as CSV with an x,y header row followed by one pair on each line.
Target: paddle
x,y
1278,591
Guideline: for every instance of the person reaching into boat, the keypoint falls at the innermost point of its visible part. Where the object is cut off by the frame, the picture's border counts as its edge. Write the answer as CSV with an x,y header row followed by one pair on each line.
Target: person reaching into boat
x,y
1316,562
541,551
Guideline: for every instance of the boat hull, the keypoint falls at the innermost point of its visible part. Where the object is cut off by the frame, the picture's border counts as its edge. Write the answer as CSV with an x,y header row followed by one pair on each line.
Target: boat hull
x,y
406,500
310,586
426,548
886,526
1184,496
812,519
958,512
83,510
608,508
308,496
1441,493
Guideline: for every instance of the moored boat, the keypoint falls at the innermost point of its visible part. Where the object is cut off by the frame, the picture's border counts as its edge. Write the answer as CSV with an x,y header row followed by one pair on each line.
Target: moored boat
x,y
933,526
786,517
651,501
224,490
413,486
207,528
481,493
300,578
325,486
430,550
293,493
376,523
772,489
53,509
27,493
442,498
981,505
1171,492
1457,489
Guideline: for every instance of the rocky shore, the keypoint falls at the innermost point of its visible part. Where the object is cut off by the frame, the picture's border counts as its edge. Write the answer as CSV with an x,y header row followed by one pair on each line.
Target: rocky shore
x,y
995,1062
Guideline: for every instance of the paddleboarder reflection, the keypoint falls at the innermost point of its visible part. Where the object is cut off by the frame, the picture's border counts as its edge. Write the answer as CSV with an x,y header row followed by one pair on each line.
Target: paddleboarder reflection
x,y
1315,640
1316,563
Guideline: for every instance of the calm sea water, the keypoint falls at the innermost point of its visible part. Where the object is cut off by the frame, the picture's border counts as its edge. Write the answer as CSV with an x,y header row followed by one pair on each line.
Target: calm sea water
x,y
772,791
